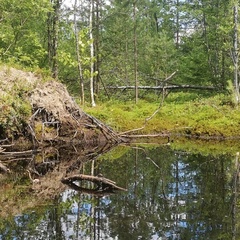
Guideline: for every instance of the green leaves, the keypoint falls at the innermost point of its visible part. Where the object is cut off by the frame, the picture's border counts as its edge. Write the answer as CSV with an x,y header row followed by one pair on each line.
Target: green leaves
x,y
23,35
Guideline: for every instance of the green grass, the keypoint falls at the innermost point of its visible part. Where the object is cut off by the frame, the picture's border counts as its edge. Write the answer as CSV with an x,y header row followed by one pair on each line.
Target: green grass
x,y
186,113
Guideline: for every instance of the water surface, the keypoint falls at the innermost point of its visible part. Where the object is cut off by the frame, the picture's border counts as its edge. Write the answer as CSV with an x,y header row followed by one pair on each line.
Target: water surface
x,y
170,195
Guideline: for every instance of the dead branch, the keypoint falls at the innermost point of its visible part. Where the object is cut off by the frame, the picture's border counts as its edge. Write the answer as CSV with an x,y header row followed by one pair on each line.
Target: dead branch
x,y
102,182
2,149
107,131
17,156
166,79
145,135
123,134
4,168
18,153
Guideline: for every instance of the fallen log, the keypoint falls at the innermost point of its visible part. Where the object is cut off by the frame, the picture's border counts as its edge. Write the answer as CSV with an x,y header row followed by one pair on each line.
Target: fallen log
x,y
165,87
103,184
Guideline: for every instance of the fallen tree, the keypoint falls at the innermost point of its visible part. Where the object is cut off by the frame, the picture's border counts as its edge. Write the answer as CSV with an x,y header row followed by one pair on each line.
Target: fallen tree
x,y
165,84
164,87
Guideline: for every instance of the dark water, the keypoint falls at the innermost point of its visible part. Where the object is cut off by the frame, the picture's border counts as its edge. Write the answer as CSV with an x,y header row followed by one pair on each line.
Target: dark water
x,y
171,195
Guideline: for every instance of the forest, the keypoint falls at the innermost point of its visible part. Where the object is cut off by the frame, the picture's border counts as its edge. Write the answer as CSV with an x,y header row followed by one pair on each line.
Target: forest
x,y
137,50
96,44
135,100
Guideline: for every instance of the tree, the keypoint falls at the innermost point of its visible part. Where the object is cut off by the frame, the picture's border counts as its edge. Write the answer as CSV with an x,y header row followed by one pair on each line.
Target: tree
x,y
22,37
91,52
135,50
53,31
235,51
76,31
124,42
96,33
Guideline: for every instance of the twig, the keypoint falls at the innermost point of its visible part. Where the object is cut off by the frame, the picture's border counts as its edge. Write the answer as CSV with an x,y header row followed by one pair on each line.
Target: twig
x,y
17,153
4,168
2,149
146,119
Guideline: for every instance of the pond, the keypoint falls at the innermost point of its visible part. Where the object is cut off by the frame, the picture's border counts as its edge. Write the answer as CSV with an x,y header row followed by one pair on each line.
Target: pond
x,y
171,194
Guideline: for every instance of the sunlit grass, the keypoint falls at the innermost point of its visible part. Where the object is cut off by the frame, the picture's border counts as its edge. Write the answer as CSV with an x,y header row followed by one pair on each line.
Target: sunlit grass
x,y
180,113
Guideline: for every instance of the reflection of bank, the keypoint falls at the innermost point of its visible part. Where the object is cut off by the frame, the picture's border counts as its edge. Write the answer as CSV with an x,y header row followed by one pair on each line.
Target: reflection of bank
x,y
85,218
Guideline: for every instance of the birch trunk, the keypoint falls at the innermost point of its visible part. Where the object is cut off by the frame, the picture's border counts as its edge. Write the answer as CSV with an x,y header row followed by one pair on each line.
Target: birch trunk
x,y
80,76
92,53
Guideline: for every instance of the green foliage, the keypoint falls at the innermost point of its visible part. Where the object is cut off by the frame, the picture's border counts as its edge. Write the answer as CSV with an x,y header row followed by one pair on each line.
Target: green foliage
x,y
15,111
230,98
23,35
201,54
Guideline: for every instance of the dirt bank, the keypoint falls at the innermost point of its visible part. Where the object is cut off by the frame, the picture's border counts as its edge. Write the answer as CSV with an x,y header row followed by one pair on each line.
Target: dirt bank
x,y
44,113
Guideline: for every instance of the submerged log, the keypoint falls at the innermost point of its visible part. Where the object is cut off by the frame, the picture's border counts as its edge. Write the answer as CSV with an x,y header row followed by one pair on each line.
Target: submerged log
x,y
103,184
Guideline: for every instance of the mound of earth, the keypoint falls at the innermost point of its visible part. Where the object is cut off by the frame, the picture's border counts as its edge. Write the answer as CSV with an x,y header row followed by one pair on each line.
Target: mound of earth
x,y
57,117
54,115
12,79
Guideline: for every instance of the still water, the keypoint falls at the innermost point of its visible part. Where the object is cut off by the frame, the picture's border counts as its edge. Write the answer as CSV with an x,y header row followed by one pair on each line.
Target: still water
x,y
170,195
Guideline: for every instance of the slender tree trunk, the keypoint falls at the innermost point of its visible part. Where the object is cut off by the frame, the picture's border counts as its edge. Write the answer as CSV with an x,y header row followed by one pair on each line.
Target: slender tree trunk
x,y
126,77
49,30
135,50
80,76
235,51
56,7
92,53
97,35
177,24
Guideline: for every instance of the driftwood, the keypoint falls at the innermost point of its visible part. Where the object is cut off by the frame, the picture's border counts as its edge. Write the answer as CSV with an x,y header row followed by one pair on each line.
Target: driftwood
x,y
104,185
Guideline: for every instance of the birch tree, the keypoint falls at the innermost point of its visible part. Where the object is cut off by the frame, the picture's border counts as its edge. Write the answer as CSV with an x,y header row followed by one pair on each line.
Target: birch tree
x,y
79,63
91,53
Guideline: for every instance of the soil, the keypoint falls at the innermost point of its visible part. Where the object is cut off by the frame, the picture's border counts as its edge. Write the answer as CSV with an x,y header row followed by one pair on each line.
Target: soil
x,y
56,118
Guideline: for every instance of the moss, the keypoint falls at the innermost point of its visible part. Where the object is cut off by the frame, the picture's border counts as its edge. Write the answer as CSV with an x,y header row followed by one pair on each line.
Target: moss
x,y
186,114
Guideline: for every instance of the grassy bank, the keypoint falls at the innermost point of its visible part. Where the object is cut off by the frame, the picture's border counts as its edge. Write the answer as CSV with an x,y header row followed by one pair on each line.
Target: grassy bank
x,y
192,113
185,113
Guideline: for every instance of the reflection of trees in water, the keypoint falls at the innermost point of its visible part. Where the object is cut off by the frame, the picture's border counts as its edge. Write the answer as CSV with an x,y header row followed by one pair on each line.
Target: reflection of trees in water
x,y
197,191
235,200
170,194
